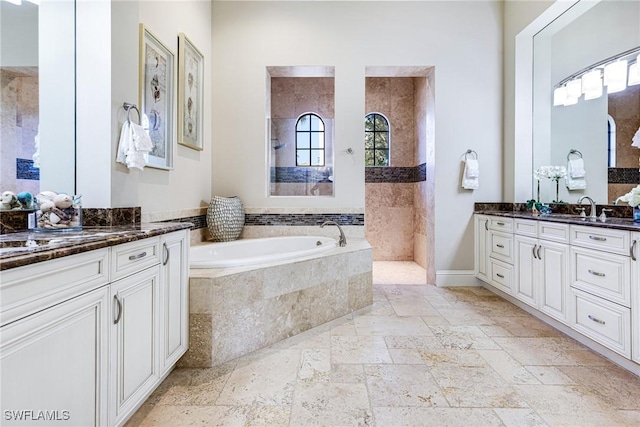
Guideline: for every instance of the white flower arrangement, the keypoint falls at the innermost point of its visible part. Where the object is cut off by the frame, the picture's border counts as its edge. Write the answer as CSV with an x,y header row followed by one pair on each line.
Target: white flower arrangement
x,y
550,172
632,197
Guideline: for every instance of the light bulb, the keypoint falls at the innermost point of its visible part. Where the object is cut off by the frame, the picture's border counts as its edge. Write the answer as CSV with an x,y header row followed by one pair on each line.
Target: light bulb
x,y
574,88
592,85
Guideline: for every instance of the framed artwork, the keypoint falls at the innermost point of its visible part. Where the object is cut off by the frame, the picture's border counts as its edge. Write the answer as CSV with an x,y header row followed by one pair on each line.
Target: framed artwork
x,y
190,93
155,93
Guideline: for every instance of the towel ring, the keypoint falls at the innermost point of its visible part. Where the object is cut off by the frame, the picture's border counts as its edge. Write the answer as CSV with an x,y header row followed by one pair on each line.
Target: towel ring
x,y
470,151
128,107
574,151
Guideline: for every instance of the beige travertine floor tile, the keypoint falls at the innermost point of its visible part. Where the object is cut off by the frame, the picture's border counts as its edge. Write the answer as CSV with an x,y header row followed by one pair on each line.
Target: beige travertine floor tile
x,y
315,365
347,373
191,387
526,327
452,358
331,404
494,331
464,337
402,385
561,399
549,352
508,369
464,317
415,342
412,307
186,416
382,308
268,416
613,385
550,375
398,273
440,417
399,326
262,378
359,349
520,417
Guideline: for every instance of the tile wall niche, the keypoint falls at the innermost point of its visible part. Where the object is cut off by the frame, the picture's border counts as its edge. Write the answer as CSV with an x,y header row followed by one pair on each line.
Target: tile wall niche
x,y
395,196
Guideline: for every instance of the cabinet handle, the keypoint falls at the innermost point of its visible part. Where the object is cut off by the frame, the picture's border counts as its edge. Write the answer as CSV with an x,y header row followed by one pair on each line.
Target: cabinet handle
x,y
486,222
632,250
500,224
598,238
119,306
595,319
135,257
501,246
533,250
539,256
500,275
166,254
595,273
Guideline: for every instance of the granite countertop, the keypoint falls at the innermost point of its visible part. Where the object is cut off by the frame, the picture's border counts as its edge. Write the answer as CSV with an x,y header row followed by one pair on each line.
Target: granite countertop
x,y
29,247
611,222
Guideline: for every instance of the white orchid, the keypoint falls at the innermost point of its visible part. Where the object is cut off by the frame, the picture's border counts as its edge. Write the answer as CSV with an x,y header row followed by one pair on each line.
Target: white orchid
x,y
632,197
550,172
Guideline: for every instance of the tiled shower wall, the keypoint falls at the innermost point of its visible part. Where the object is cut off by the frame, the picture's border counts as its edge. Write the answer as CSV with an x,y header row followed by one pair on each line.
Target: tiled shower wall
x,y
19,127
396,209
624,107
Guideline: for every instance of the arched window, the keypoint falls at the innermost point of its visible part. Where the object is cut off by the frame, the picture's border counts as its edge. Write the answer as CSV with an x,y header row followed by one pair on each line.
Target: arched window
x,y
309,140
376,140
611,141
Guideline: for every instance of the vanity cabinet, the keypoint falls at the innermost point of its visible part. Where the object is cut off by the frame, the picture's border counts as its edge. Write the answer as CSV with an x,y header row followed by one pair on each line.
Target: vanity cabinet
x,y
634,254
500,248
542,268
481,242
90,336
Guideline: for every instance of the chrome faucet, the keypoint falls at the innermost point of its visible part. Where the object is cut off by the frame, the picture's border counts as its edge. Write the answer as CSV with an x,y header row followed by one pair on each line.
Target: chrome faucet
x,y
343,239
592,214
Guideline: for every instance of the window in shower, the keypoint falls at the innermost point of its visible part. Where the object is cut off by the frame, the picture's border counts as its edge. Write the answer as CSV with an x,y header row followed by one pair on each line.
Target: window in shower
x,y
376,140
310,140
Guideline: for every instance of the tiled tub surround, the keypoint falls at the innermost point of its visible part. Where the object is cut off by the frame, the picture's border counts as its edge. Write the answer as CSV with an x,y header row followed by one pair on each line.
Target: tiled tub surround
x,y
234,311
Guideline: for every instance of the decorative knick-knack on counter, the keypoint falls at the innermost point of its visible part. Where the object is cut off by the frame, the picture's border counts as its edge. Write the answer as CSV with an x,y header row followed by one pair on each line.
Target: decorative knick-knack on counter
x,y
225,218
58,211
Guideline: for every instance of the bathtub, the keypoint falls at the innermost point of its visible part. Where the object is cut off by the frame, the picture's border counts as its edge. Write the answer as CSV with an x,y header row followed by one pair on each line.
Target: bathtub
x,y
257,251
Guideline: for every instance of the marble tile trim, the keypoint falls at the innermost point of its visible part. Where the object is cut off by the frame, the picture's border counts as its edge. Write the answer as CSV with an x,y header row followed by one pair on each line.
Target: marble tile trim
x,y
300,174
303,219
110,217
624,176
199,221
25,170
396,174
13,221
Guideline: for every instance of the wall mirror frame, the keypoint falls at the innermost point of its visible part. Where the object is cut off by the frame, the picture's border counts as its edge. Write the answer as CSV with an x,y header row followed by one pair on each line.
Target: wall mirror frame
x,y
533,130
38,69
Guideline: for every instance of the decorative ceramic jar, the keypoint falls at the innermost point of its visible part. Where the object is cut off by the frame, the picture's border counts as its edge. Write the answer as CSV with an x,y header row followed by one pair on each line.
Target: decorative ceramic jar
x,y
636,214
225,218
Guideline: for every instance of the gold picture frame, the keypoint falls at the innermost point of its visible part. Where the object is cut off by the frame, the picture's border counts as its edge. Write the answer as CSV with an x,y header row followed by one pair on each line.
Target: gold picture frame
x,y
190,94
155,97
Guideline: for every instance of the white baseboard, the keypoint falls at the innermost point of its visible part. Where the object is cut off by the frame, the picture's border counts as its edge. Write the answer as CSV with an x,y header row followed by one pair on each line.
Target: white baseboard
x,y
449,278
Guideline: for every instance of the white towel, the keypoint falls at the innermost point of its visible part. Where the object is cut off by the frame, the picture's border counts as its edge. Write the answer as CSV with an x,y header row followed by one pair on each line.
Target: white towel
x,y
134,146
471,174
635,141
575,168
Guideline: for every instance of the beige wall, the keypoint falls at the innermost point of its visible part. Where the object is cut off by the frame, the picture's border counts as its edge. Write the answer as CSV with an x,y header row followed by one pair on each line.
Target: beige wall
x,y
624,107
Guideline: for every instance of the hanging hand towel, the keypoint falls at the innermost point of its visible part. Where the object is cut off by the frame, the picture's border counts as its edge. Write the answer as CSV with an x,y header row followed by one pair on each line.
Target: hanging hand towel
x,y
471,174
124,143
635,141
135,145
575,175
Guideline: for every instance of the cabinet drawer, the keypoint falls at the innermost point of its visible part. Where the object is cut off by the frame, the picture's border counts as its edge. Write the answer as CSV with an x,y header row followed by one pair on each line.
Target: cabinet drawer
x,y
502,276
501,246
602,274
615,241
553,231
500,224
603,321
135,256
26,290
525,227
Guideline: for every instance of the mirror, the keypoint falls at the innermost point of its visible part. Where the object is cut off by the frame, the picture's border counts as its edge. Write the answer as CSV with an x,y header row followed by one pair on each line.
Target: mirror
x,y
300,128
37,68
600,129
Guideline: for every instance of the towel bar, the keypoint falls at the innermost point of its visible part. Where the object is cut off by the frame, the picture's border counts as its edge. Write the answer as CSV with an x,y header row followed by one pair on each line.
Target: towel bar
x,y
574,151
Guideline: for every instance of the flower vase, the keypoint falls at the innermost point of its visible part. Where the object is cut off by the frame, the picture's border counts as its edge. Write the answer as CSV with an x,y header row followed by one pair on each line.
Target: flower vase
x,y
557,191
225,218
636,214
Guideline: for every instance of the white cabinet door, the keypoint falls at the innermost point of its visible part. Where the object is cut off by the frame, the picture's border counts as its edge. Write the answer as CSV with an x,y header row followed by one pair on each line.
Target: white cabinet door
x,y
481,255
526,267
174,297
55,361
635,296
135,365
554,279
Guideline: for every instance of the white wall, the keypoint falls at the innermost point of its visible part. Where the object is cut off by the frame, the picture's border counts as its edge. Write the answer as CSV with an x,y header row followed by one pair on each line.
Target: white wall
x,y
19,41
188,185
462,40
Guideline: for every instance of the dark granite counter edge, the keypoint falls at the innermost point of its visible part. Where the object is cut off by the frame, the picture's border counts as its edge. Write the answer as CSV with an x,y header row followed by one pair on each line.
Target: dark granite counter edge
x,y
114,236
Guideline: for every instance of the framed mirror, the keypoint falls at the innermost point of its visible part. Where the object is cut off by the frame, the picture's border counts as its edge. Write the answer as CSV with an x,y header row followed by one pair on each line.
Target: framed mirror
x,y
37,67
596,129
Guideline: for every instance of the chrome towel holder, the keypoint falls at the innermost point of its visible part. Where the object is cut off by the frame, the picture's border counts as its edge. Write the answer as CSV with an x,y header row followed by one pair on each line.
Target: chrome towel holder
x,y
128,107
574,151
470,151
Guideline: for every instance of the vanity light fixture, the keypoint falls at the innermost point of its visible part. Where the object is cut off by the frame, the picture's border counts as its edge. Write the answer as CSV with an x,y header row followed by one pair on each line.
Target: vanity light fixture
x,y
559,96
615,76
574,91
592,84
634,73
16,2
